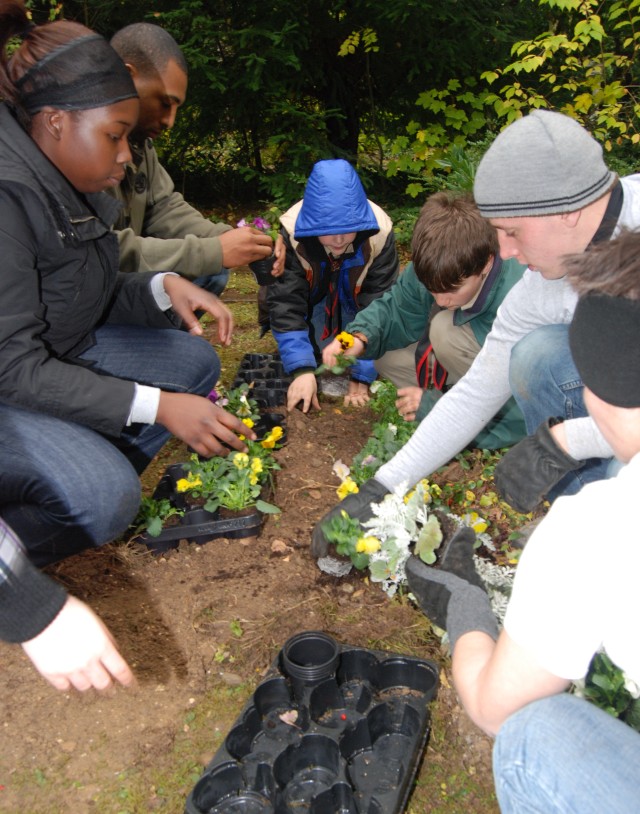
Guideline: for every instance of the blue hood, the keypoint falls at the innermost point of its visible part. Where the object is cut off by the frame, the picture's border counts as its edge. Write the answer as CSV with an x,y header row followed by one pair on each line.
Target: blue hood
x,y
334,202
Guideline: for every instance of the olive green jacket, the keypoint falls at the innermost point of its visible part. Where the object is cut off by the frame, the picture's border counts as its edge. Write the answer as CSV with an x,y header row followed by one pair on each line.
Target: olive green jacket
x,y
157,229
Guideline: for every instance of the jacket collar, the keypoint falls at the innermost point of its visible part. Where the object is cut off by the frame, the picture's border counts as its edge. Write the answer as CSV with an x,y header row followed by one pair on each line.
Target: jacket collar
x,y
82,217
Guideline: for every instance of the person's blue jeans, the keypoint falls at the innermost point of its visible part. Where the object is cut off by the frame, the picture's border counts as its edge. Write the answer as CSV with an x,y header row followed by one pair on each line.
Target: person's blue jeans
x,y
215,283
545,383
564,755
65,487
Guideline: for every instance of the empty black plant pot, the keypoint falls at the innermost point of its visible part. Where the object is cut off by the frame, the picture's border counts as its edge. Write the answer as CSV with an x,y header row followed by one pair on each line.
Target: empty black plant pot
x,y
309,658
262,270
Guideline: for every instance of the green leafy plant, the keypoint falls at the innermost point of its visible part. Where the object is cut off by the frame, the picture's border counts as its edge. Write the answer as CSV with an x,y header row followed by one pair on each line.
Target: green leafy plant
x,y
153,514
262,224
607,687
237,400
345,533
429,540
236,481
342,361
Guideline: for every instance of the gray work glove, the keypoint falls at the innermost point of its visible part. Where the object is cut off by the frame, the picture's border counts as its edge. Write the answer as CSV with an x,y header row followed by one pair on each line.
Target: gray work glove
x,y
451,593
357,506
532,467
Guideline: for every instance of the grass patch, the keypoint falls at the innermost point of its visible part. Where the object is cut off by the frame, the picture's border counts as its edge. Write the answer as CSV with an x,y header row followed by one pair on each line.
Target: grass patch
x,y
138,790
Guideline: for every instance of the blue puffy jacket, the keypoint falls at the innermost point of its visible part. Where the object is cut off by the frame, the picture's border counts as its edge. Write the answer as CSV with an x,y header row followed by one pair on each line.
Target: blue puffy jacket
x,y
334,203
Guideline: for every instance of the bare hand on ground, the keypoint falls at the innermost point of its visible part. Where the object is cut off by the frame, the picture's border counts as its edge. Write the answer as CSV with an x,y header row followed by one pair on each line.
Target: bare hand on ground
x,y
408,402
358,394
201,425
303,389
77,650
187,298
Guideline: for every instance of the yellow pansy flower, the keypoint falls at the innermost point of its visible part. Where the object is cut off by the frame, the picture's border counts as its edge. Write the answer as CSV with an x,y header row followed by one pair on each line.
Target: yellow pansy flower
x,y
477,523
347,487
368,545
256,466
184,484
241,460
345,339
248,422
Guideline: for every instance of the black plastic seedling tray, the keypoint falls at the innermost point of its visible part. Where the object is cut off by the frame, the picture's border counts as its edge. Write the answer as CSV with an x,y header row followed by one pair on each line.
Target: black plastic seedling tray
x,y
265,373
332,729
197,525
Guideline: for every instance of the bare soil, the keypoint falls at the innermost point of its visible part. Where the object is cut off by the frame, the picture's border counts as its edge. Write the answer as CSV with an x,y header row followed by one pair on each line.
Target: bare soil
x,y
200,625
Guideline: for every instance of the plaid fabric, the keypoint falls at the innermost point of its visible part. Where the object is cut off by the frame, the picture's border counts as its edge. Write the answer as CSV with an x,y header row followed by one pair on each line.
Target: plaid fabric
x,y
11,552
29,599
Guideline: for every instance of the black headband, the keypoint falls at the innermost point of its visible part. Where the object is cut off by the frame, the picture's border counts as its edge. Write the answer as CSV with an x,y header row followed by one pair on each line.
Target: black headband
x,y
604,337
82,74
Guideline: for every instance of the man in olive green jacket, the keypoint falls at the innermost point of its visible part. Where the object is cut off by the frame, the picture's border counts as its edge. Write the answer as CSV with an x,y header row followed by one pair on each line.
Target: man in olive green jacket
x,y
157,229
427,329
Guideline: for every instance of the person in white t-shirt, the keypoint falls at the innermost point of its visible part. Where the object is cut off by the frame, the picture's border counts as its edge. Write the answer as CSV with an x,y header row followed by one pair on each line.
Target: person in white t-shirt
x,y
575,591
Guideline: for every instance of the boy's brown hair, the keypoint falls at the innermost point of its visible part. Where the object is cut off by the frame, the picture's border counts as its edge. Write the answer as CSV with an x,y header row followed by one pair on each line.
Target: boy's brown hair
x,y
451,241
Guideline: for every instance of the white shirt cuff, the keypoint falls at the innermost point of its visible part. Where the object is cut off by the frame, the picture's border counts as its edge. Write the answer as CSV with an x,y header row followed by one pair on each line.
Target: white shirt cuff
x,y
144,407
163,301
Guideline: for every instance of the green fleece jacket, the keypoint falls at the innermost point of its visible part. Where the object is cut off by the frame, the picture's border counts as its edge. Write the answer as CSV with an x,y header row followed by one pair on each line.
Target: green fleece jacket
x,y
157,229
401,317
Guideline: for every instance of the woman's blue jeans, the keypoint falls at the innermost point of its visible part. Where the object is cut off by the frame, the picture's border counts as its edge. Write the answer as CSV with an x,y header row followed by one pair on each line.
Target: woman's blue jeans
x,y
545,383
563,754
65,487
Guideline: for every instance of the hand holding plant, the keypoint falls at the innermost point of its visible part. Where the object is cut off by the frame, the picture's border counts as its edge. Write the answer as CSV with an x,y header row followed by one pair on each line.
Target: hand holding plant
x,y
261,224
336,355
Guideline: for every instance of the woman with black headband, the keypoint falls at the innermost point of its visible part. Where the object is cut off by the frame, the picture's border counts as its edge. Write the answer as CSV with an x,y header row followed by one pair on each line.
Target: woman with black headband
x,y
95,374
575,591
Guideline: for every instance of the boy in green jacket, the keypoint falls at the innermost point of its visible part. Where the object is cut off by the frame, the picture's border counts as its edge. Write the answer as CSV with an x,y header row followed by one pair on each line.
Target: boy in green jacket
x,y
425,332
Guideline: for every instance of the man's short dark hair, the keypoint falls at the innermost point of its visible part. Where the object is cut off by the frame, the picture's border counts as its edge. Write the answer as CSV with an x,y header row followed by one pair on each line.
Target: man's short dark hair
x,y
451,241
149,48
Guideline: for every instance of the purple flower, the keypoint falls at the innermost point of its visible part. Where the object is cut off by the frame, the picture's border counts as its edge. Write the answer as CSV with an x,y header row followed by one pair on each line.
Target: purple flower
x,y
213,396
258,223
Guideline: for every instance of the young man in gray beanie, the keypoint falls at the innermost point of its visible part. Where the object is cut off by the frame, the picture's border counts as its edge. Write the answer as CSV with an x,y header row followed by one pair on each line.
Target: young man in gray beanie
x,y
556,751
544,184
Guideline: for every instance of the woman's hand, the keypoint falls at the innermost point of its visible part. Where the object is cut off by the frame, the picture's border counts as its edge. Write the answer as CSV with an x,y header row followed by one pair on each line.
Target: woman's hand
x,y
357,395
77,650
408,402
187,298
207,429
303,388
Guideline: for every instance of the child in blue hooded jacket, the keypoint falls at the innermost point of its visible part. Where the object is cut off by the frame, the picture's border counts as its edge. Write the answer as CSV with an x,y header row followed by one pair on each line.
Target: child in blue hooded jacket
x,y
340,256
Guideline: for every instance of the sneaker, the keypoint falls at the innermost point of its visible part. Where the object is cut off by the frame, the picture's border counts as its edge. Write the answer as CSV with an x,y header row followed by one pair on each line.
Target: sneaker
x,y
334,385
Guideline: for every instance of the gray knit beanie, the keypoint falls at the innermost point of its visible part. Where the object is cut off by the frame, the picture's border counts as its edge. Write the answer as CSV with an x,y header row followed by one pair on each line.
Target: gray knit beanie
x,y
543,164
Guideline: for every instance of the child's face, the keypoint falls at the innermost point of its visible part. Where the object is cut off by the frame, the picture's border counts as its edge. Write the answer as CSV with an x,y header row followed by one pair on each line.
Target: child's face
x,y
465,293
337,244
619,425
